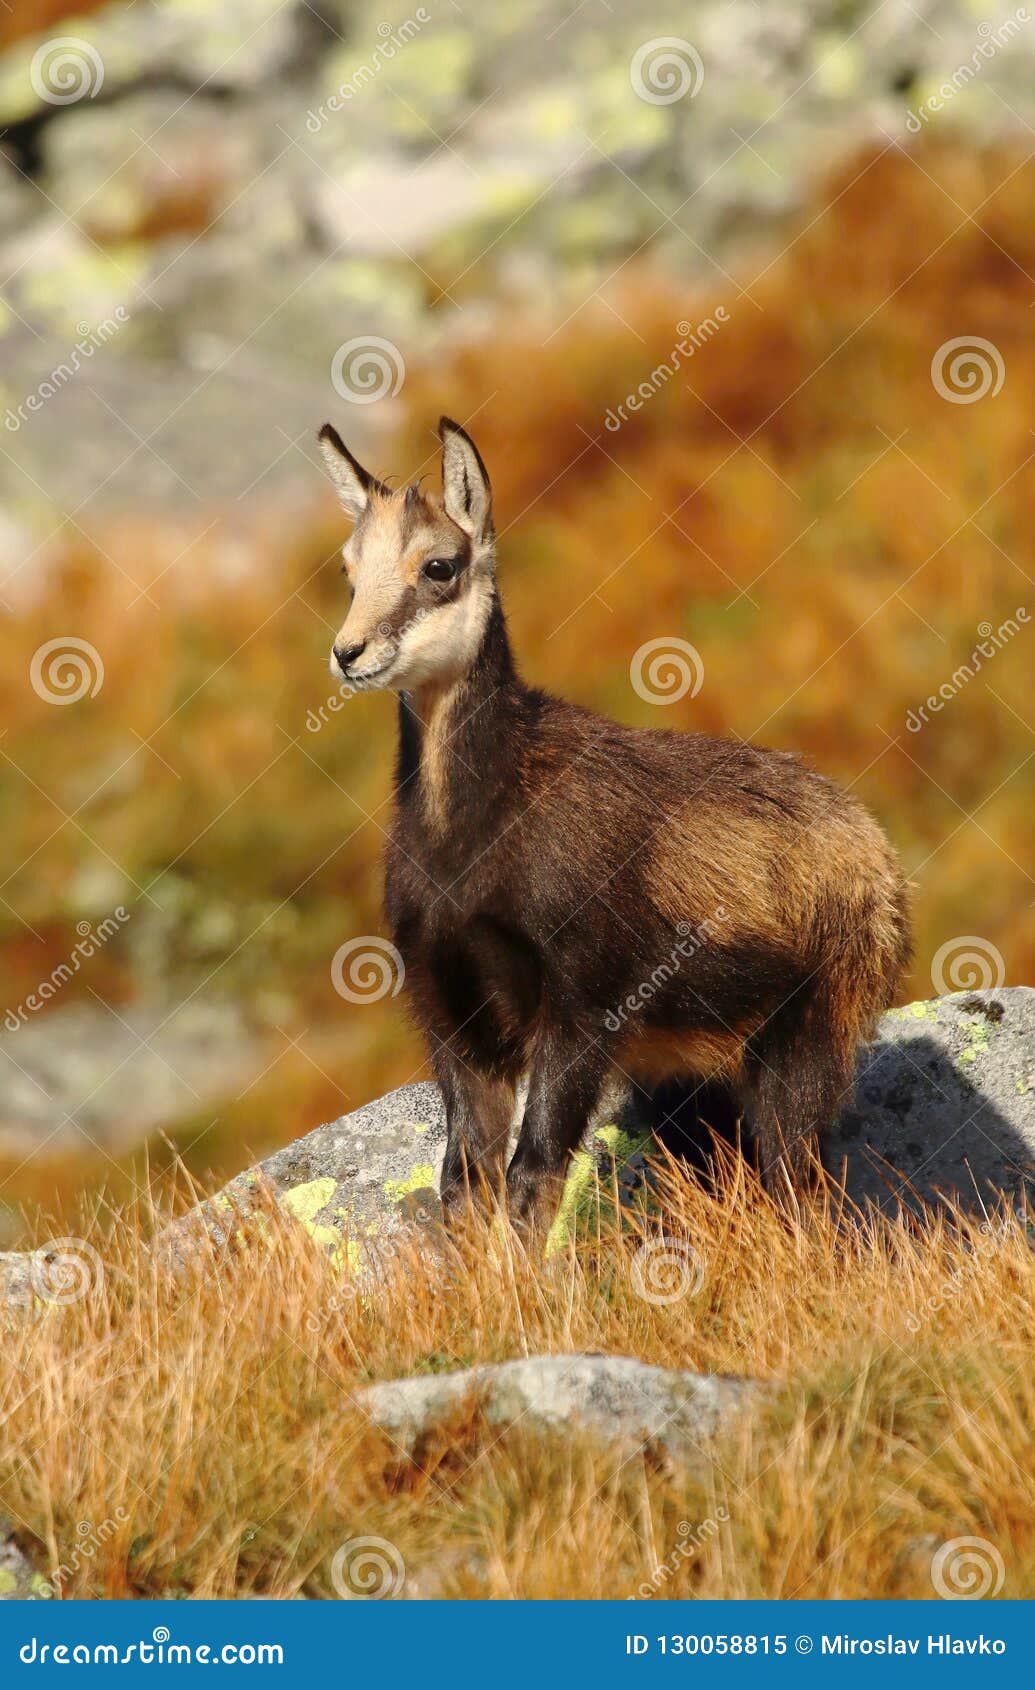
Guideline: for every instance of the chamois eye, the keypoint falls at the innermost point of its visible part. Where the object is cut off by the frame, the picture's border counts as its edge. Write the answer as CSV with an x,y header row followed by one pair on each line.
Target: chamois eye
x,y
440,569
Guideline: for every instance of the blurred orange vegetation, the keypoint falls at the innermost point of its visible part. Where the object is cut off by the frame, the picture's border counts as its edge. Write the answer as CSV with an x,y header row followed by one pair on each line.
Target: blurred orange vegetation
x,y
25,17
798,502
803,505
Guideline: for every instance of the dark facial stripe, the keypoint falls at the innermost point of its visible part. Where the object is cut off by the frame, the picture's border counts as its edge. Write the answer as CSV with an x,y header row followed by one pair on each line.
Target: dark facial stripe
x,y
392,625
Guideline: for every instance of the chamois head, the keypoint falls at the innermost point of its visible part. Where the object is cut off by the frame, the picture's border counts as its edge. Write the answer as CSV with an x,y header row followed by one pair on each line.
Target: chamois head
x,y
421,568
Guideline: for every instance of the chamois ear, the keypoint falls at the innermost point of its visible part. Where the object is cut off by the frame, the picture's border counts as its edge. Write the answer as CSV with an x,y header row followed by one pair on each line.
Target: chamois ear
x,y
354,484
466,492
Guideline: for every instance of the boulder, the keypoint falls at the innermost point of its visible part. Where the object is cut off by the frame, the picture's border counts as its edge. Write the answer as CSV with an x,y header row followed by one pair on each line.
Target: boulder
x,y
234,48
621,1402
137,1071
944,1108
377,1170
944,1104
19,1581
254,186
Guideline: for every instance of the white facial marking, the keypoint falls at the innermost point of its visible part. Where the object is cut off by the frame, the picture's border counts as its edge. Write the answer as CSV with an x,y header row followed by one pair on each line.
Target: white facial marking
x,y
437,642
443,644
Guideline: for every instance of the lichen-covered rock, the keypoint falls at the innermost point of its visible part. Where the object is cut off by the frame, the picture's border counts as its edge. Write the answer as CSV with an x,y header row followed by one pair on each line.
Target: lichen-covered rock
x,y
620,1401
377,1170
944,1107
362,1174
187,43
944,1103
257,183
19,1581
16,1287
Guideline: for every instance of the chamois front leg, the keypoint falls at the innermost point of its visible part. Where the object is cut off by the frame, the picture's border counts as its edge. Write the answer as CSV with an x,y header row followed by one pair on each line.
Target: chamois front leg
x,y
479,1111
568,1072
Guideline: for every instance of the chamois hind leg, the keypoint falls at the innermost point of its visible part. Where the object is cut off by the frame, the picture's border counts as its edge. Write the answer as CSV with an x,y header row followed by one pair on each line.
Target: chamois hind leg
x,y
479,1111
567,1077
798,1075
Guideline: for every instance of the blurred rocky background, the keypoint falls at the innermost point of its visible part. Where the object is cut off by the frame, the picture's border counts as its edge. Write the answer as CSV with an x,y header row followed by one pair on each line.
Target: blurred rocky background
x,y
222,223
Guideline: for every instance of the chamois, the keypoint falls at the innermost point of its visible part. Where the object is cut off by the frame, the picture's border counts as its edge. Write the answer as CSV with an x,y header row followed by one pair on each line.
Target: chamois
x,y
570,896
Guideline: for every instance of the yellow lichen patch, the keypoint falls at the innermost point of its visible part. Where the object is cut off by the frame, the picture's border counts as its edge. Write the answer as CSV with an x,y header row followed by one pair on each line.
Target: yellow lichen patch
x,y
919,1011
421,1174
580,1188
586,1193
304,1203
975,1032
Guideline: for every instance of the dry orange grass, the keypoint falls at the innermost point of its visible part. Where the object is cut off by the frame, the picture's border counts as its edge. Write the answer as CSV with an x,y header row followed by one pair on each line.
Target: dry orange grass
x,y
204,1425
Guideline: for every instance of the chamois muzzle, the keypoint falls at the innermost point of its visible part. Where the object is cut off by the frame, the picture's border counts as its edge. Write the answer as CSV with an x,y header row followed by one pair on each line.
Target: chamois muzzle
x,y
346,654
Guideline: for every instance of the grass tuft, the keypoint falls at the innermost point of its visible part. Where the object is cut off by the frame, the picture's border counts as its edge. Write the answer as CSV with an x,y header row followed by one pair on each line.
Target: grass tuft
x,y
199,1428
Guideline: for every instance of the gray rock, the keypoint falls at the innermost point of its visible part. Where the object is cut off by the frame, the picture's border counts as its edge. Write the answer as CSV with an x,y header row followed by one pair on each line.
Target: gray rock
x,y
84,1076
19,1582
376,1170
944,1104
944,1108
95,167
17,1292
357,1178
234,47
342,170
614,1398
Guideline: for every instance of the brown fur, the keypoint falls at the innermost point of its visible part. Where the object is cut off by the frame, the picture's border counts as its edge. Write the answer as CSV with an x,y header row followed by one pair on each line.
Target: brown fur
x,y
654,1054
571,896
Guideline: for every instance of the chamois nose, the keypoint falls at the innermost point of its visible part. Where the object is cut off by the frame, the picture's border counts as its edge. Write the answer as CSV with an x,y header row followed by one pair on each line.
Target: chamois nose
x,y
346,654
